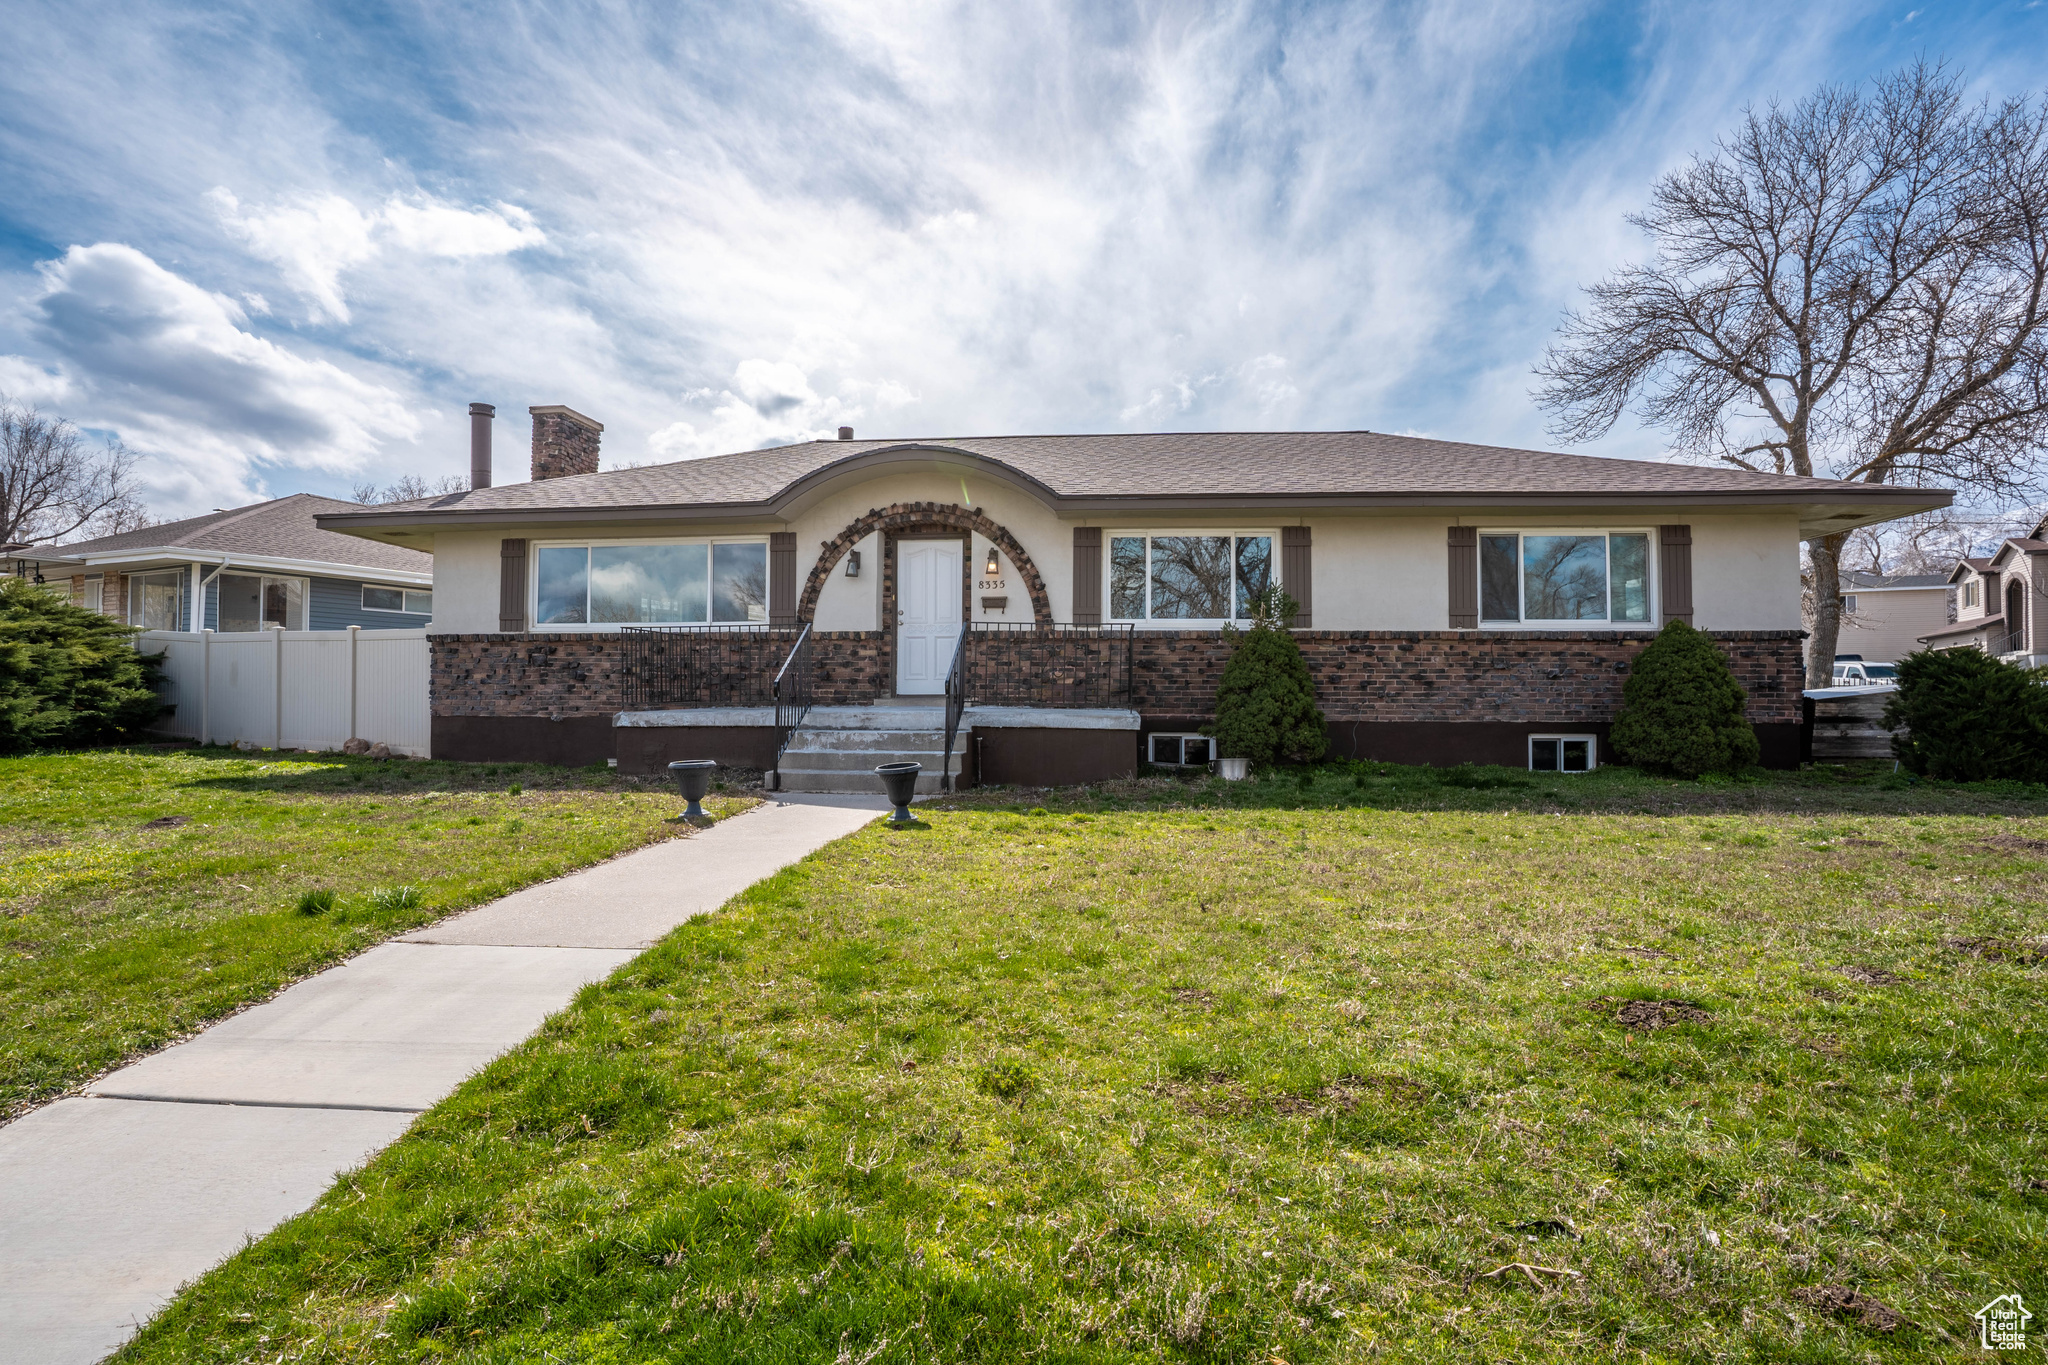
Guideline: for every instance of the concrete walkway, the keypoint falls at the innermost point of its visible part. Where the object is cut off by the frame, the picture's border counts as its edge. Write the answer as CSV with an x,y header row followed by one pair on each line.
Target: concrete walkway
x,y
111,1201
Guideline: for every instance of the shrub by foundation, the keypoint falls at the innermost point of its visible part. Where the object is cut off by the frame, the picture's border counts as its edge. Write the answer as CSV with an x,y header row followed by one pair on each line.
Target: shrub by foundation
x,y
1266,702
1969,717
1682,710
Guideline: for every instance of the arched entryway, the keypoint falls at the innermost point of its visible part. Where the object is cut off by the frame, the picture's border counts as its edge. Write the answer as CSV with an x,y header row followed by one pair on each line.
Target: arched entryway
x,y
905,519
2015,617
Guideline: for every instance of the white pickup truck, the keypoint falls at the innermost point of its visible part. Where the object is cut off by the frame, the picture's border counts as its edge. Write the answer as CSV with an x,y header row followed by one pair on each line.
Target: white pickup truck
x,y
1852,671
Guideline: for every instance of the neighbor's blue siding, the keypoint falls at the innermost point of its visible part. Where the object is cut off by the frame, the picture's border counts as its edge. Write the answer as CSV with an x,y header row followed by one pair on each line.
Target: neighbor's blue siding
x,y
335,604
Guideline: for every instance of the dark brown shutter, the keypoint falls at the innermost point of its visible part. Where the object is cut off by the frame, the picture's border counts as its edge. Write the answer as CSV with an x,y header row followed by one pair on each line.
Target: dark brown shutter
x,y
781,578
1674,571
1296,574
1087,575
1464,542
512,585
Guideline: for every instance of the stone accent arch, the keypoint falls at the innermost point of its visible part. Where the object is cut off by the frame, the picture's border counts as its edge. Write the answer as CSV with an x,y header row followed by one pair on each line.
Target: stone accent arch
x,y
913,518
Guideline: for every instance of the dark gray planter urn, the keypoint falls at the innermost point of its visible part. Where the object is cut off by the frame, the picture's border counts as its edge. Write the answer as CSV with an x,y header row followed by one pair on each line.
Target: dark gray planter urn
x,y
693,780
899,782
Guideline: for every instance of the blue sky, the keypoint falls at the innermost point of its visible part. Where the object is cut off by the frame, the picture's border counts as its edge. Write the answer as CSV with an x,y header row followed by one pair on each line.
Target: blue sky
x,y
281,247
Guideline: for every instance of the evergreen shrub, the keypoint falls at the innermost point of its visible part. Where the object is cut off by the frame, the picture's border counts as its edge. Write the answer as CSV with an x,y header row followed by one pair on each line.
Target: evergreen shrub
x,y
1682,710
68,676
1968,717
1266,705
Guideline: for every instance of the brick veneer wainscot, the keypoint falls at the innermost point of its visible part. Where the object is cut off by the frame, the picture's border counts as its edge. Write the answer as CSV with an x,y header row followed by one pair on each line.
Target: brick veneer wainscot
x,y
1542,677
582,674
1546,677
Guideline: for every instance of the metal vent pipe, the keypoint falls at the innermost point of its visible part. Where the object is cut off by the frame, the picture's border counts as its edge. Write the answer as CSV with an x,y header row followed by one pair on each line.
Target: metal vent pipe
x,y
480,415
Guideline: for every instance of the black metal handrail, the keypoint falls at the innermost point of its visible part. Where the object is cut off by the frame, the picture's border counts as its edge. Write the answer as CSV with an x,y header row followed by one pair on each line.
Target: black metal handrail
x,y
956,702
688,666
2015,643
1015,664
792,691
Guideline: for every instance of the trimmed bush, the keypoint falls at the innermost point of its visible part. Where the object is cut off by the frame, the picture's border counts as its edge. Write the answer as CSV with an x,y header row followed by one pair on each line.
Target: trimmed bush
x,y
1682,710
1266,705
68,677
1969,717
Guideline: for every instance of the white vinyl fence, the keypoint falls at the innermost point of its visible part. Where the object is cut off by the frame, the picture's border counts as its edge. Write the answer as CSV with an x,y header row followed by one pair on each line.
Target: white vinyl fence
x,y
295,689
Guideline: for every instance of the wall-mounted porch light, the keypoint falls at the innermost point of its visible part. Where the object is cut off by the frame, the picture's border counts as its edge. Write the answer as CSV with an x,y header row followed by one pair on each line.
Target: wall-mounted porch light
x,y
993,567
853,563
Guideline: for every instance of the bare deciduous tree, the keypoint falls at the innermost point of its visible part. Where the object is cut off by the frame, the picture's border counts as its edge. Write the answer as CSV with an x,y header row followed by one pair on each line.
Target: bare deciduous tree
x,y
409,488
1855,287
54,484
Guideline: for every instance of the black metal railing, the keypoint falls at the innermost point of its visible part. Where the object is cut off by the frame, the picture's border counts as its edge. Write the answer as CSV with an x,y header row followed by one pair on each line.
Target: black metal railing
x,y
2015,643
956,702
1032,665
792,691
664,666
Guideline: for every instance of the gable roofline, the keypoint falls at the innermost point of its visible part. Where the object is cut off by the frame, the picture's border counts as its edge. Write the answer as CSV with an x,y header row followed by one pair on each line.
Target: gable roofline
x,y
1966,566
1829,505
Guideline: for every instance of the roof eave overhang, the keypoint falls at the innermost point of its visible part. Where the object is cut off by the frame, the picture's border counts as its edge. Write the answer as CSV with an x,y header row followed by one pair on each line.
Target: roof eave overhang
x,y
170,557
1816,517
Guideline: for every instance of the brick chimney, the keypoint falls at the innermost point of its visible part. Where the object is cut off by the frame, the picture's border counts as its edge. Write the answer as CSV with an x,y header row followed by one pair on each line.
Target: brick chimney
x,y
564,442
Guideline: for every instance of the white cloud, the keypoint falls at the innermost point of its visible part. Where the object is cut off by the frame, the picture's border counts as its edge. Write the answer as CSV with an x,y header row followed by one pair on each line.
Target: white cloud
x,y
31,382
767,403
171,368
313,240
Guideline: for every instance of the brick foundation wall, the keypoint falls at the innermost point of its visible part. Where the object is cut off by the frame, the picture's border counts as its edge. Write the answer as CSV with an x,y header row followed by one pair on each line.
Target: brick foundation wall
x,y
1549,678
583,675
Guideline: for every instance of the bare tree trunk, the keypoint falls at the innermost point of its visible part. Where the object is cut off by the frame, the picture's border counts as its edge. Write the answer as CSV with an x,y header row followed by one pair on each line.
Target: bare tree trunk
x,y
1827,609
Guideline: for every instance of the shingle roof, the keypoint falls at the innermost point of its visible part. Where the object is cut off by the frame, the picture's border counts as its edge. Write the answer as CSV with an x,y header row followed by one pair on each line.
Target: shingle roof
x,y
282,528
1139,466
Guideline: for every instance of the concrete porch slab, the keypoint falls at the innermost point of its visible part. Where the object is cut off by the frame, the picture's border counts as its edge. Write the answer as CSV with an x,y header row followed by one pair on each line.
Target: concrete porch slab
x,y
395,1028
1046,718
108,1206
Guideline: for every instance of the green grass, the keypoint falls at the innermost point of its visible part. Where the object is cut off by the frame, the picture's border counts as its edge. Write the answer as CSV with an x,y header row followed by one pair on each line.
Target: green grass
x,y
1243,1083
144,894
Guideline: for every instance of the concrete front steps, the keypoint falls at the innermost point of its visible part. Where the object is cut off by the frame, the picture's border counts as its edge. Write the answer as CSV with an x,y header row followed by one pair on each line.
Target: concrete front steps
x,y
837,748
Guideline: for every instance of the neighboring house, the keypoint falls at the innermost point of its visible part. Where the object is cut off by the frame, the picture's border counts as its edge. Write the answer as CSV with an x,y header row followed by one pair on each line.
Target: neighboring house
x,y
1886,616
1457,602
246,568
2000,602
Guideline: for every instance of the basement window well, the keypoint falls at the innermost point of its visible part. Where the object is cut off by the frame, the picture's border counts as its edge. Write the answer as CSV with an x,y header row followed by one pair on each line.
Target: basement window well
x,y
1562,753
1180,751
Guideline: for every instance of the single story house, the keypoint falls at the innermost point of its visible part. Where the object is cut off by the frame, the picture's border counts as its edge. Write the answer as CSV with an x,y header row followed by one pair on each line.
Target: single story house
x,y
1042,609
1999,600
1886,616
242,569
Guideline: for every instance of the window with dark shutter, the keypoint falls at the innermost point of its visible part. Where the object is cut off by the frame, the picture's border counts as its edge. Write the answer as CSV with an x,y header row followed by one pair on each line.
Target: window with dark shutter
x,y
781,578
1297,574
1087,575
1464,548
1674,572
512,585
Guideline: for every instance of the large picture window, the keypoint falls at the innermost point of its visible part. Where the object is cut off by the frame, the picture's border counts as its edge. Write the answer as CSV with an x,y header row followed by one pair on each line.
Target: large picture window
x,y
1564,577
260,602
1187,577
670,583
156,600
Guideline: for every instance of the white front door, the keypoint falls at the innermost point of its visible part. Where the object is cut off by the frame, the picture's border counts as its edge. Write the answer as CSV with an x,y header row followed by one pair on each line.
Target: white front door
x,y
928,613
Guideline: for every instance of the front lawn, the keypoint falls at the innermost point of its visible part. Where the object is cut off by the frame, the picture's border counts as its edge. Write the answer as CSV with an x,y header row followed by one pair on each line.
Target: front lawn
x,y
1243,1083
144,894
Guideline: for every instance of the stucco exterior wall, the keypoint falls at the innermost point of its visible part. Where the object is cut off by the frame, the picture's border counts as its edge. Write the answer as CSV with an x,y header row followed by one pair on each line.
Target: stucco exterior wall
x,y
1371,571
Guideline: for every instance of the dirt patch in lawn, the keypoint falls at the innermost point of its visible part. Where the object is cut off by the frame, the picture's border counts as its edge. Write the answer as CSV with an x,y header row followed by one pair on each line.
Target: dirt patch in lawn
x,y
1651,1014
2013,843
1640,952
1191,995
167,822
2026,952
1869,976
1843,1301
